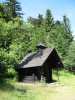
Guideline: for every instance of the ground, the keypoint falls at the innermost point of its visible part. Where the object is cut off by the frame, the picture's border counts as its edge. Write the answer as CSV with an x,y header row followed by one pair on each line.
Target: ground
x,y
63,89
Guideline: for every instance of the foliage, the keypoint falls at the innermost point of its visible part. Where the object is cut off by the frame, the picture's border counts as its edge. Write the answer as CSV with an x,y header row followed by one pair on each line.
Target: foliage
x,y
48,21
10,9
17,37
55,34
14,42
70,58
61,42
2,14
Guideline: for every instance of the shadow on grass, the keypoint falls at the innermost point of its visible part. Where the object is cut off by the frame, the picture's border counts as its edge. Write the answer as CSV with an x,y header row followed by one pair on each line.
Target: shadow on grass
x,y
7,86
52,81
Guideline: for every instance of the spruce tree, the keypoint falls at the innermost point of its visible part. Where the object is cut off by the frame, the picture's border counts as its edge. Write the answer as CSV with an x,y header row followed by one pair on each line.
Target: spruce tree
x,y
48,20
2,11
67,28
13,8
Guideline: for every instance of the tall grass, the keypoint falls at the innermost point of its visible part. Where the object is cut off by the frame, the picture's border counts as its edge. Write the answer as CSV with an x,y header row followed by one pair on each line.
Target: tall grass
x,y
11,90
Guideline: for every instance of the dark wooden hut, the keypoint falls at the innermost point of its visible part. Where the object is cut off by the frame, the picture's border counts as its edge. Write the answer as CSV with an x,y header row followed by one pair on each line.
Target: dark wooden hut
x,y
38,65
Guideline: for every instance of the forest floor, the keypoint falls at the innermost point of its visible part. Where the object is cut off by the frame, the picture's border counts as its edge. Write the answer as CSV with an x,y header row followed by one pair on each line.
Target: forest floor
x,y
64,89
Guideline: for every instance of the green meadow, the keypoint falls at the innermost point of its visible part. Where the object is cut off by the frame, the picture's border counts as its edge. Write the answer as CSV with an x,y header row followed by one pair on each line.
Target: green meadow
x,y
63,89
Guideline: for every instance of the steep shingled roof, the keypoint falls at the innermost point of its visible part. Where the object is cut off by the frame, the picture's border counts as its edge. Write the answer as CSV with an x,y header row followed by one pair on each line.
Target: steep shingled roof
x,y
35,59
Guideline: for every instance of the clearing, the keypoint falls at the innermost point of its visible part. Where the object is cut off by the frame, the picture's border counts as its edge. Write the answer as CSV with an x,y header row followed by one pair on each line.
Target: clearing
x,y
64,89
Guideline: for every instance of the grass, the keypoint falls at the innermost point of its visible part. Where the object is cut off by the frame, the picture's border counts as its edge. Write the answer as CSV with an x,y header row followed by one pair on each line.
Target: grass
x,y
61,90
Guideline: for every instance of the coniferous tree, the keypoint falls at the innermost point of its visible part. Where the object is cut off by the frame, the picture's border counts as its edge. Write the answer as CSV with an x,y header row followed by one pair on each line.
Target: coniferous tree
x,y
40,20
70,58
13,8
67,28
2,11
48,21
62,35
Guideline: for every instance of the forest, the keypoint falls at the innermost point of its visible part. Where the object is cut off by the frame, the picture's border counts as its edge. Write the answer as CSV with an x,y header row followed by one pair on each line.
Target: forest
x,y
18,37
